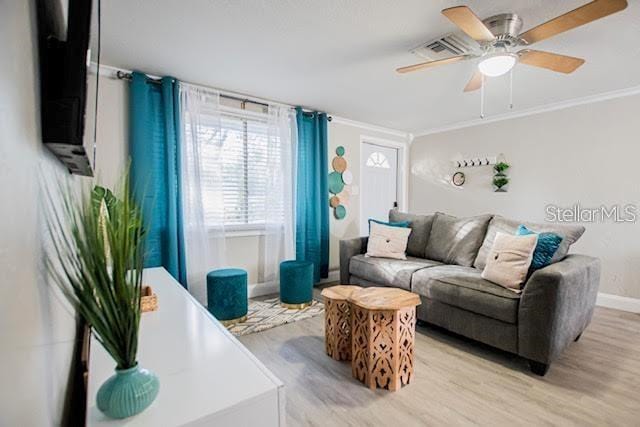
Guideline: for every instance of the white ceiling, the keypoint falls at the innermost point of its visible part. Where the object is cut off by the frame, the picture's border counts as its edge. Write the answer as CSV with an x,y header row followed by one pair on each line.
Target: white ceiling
x,y
339,55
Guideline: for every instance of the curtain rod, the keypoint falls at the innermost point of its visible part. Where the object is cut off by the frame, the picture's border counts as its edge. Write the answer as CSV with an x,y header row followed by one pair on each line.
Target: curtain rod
x,y
124,75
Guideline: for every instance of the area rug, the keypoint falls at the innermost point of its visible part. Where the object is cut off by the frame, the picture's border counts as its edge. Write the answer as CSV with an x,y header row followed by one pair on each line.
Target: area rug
x,y
267,314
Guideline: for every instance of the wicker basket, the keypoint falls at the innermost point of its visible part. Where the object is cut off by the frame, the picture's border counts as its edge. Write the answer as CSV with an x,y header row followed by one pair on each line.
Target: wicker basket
x,y
148,300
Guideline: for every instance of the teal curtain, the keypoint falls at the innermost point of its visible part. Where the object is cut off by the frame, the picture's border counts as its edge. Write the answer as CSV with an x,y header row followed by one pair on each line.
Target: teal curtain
x,y
312,194
155,169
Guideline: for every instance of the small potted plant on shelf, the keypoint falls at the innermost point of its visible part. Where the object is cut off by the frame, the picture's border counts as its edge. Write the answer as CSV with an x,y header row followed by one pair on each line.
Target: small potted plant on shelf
x,y
499,182
501,168
500,179
96,260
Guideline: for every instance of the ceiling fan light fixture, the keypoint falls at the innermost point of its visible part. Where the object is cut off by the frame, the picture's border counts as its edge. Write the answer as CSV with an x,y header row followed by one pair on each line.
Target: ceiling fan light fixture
x,y
497,64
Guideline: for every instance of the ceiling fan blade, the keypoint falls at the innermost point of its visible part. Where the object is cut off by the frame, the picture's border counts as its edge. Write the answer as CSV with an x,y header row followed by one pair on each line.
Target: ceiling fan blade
x,y
429,64
551,61
583,15
468,22
475,83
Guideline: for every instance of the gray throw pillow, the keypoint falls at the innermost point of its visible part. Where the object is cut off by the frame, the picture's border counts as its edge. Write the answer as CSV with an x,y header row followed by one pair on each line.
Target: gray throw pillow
x,y
420,228
569,233
456,240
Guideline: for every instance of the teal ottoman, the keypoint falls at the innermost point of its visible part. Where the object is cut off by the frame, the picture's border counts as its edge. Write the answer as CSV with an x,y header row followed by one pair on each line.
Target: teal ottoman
x,y
227,295
296,284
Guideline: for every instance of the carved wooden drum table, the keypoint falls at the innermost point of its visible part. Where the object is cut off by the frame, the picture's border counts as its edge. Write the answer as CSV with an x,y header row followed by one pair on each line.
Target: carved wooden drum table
x,y
383,326
337,326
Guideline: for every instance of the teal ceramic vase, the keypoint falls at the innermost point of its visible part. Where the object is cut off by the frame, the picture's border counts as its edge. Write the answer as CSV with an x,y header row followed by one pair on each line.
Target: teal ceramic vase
x,y
128,392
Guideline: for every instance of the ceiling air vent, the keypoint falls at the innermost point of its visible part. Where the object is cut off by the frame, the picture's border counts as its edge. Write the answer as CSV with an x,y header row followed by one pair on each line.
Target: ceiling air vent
x,y
445,47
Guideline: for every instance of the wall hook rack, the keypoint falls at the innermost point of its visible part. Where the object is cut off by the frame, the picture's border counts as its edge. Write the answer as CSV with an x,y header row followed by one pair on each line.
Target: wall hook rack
x,y
475,161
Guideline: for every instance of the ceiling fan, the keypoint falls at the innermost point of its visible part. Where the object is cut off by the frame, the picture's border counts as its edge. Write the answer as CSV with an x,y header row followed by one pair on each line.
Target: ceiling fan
x,y
499,36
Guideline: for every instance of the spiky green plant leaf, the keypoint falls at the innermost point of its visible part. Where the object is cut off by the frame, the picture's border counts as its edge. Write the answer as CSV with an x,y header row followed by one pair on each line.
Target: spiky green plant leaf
x,y
97,262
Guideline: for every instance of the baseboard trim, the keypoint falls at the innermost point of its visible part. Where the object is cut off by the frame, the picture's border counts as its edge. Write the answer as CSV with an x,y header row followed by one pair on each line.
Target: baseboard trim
x,y
269,288
334,276
261,289
618,302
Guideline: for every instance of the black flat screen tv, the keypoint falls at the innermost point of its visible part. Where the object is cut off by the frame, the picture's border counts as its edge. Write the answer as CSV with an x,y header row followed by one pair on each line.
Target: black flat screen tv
x,y
63,45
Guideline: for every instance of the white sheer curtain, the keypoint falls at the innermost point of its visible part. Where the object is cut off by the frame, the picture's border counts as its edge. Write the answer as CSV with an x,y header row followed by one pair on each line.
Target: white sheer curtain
x,y
202,197
208,170
278,242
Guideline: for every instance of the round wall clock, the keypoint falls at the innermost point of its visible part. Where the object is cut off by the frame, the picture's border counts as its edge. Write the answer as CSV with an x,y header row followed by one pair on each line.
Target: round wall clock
x,y
458,179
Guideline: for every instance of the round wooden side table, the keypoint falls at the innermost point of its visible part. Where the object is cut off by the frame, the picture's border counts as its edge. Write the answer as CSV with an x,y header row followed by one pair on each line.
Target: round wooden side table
x,y
383,325
337,325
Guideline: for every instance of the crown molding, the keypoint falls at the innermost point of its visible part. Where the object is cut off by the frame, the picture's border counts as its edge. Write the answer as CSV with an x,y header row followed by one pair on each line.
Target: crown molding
x,y
621,93
373,128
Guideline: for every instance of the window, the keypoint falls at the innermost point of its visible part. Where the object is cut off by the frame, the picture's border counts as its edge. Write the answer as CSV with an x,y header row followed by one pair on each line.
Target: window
x,y
378,160
237,155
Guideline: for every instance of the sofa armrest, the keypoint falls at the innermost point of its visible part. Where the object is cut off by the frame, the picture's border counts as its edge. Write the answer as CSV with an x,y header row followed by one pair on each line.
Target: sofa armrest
x,y
348,249
556,306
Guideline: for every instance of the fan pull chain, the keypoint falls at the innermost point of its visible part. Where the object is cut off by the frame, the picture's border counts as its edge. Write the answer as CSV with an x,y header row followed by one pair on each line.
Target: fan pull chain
x,y
511,89
482,97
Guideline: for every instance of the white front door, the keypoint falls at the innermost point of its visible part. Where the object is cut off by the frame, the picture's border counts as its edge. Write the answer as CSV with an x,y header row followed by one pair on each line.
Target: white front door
x,y
378,182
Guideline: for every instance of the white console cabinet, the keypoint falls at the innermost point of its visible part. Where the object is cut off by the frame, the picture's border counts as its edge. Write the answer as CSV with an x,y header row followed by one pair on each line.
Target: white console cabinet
x,y
207,377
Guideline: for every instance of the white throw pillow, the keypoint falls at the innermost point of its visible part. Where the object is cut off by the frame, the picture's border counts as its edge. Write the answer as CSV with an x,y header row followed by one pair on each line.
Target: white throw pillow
x,y
509,260
387,242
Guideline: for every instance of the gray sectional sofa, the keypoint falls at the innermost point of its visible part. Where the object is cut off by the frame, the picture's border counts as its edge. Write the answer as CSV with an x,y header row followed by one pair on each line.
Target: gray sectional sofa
x,y
445,258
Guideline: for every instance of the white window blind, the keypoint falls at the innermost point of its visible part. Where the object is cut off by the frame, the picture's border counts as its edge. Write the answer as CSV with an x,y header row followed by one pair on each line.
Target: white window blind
x,y
238,154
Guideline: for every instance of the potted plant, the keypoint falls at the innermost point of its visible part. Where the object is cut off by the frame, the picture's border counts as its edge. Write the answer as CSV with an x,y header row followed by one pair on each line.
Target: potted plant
x,y
97,261
500,179
499,182
500,168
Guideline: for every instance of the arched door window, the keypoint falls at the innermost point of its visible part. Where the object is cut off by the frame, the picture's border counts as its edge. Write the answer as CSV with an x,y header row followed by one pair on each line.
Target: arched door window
x,y
378,160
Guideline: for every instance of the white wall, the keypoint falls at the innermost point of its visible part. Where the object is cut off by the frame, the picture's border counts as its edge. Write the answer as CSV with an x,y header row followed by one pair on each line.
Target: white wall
x,y
587,154
37,330
112,146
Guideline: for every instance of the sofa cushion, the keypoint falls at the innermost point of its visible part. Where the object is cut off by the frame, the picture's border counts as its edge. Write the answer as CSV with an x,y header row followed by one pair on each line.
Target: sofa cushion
x,y
456,240
510,259
547,246
388,272
420,228
463,287
475,326
386,241
569,233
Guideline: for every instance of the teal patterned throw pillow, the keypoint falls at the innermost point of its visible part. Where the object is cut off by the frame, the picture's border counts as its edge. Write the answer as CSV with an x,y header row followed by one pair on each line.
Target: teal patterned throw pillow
x,y
548,244
403,224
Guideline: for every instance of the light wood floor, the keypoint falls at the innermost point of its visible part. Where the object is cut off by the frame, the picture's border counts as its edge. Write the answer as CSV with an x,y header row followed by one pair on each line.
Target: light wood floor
x,y
460,382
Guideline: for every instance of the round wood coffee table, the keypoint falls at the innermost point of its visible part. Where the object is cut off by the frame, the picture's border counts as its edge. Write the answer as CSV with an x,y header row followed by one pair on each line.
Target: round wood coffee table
x,y
337,325
383,325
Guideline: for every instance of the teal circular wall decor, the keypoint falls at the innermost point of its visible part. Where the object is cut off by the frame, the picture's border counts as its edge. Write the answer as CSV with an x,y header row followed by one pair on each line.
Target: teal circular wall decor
x,y
336,184
337,181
